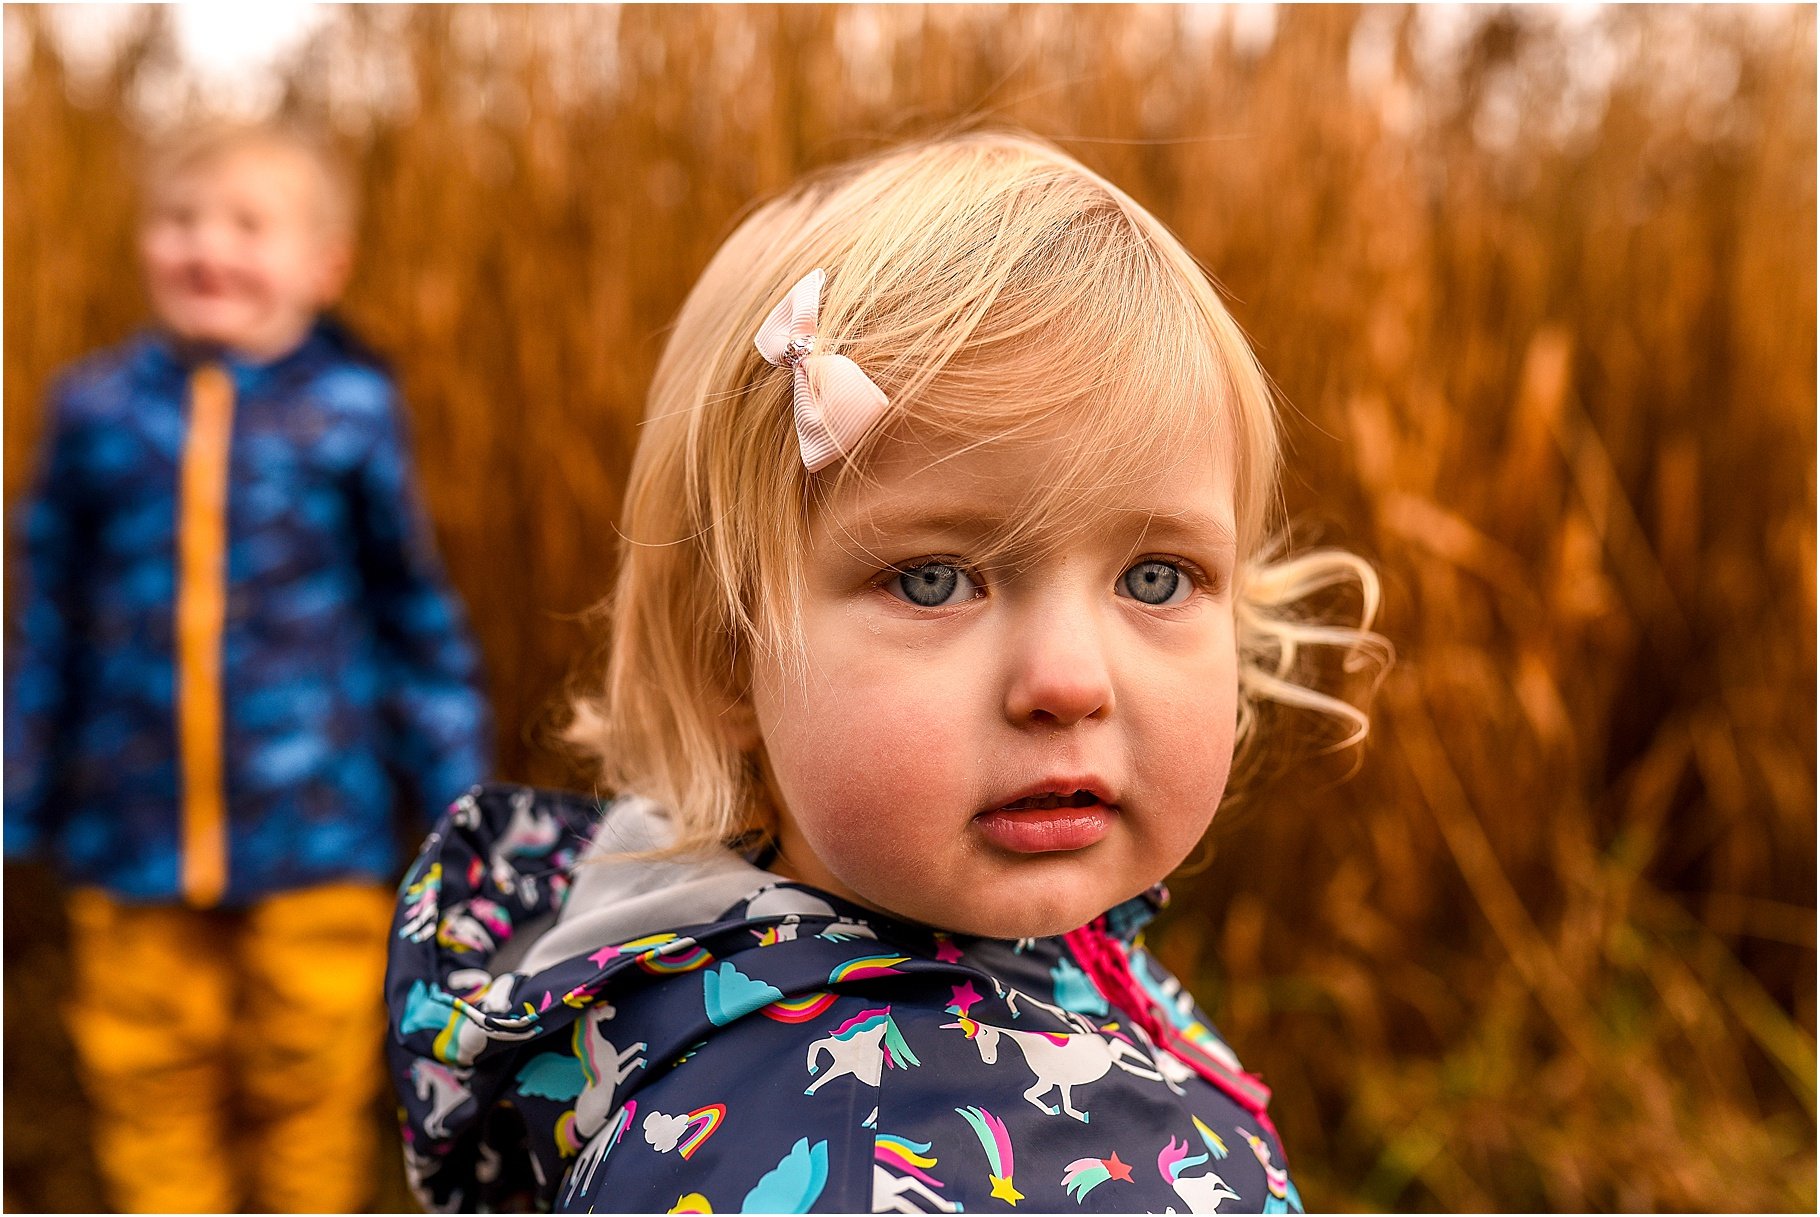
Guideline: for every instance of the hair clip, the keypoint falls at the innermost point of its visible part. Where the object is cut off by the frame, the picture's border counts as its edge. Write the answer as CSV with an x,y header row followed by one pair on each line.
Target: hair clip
x,y
835,402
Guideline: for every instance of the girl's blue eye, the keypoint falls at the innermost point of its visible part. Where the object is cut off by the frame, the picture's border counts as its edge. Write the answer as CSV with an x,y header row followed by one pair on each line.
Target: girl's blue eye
x,y
1156,583
933,585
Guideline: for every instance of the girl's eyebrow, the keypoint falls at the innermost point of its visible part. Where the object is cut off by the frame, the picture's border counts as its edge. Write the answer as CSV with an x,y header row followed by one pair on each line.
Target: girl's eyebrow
x,y
1215,532
1184,527
891,522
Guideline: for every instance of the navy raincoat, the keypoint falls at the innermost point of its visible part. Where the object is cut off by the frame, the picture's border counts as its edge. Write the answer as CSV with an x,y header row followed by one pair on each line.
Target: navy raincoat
x,y
700,1035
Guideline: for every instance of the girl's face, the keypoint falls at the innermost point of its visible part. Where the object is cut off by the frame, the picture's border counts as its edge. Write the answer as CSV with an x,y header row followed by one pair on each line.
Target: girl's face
x,y
1006,752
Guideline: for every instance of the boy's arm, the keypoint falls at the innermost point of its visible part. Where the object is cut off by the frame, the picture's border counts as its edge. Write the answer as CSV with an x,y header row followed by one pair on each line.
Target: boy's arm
x,y
45,625
441,728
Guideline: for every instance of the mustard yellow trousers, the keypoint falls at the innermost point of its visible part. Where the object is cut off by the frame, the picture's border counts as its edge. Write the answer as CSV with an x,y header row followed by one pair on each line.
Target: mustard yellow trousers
x,y
232,1058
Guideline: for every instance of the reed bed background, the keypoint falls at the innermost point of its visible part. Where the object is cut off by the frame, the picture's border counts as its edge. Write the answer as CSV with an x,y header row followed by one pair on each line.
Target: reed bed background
x,y
1539,290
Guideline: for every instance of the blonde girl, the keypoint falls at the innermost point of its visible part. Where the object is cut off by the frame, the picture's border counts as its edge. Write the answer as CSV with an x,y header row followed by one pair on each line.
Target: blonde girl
x,y
943,612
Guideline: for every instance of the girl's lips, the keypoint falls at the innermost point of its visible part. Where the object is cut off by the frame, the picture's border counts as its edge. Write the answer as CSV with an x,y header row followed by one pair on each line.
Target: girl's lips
x,y
1047,830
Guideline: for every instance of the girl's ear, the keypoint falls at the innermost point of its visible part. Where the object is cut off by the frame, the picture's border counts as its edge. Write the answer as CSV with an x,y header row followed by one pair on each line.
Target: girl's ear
x,y
738,718
739,724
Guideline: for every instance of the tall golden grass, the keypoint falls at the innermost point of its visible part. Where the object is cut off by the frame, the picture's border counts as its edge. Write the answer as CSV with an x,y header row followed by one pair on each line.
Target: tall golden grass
x,y
1540,294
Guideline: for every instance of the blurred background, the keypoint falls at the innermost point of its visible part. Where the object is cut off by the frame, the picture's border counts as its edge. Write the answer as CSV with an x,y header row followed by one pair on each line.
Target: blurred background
x,y
1538,288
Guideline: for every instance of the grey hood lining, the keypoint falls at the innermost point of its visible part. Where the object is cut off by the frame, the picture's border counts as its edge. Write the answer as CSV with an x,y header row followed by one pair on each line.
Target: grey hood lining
x,y
617,899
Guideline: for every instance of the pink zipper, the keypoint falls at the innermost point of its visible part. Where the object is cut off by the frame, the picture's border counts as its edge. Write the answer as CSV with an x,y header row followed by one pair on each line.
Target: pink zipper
x,y
1105,961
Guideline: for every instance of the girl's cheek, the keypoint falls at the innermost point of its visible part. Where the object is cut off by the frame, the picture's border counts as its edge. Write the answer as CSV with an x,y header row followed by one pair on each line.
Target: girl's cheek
x,y
868,770
879,755
1188,747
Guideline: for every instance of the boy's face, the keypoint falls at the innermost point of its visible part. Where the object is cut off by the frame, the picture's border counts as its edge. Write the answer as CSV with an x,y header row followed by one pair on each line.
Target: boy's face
x,y
1103,674
238,250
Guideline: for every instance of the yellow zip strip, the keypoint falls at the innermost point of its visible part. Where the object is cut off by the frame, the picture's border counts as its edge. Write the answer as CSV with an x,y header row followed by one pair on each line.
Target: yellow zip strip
x,y
201,614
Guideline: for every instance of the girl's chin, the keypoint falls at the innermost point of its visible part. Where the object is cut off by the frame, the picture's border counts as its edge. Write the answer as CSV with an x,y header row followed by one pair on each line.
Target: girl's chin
x,y
1005,915
1014,927
995,894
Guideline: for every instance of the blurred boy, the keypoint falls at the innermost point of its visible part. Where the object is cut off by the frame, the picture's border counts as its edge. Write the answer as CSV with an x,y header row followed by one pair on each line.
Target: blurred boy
x,y
236,635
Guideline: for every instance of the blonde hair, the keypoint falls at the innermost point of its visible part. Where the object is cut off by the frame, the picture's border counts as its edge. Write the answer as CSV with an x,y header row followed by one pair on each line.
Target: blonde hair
x,y
955,267
207,142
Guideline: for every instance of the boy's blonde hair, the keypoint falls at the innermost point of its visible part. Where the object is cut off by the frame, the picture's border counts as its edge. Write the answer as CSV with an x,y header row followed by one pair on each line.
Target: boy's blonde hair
x,y
206,142
957,269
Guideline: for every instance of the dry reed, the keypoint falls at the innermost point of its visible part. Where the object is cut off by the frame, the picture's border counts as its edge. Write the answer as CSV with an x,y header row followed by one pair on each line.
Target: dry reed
x,y
1540,291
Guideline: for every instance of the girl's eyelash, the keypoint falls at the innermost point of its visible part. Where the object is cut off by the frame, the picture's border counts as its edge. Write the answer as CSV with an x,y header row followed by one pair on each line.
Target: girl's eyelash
x,y
903,568
1195,571
900,570
1198,579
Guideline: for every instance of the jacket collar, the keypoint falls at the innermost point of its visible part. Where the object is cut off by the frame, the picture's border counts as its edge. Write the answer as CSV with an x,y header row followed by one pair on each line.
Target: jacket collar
x,y
162,356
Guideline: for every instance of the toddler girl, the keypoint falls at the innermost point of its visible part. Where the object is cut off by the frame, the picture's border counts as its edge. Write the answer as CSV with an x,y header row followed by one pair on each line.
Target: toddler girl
x,y
941,617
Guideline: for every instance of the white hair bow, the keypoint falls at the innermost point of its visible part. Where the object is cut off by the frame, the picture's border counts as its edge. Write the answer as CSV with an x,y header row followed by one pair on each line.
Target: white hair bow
x,y
835,401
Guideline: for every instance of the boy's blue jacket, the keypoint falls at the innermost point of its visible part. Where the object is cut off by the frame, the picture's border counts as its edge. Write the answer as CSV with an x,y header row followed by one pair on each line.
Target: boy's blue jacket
x,y
623,1035
345,661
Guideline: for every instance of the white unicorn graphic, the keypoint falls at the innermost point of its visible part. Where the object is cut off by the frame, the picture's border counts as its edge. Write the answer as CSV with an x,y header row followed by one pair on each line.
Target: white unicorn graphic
x,y
417,1167
1060,1062
445,1088
792,905
495,1000
1173,1069
1283,1195
476,925
581,1175
420,904
1203,1193
465,811
594,1127
605,1067
529,831
1012,997
861,1047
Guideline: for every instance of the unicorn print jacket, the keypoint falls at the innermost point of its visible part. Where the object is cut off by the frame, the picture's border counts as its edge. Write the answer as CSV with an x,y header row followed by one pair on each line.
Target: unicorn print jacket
x,y
615,1035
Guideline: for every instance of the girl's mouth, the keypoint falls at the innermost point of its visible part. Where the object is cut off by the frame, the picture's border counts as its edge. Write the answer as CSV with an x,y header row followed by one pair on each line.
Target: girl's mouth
x,y
1049,802
1048,823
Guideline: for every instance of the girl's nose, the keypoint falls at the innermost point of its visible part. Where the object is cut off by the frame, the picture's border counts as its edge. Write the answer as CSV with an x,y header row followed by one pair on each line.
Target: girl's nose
x,y
1061,673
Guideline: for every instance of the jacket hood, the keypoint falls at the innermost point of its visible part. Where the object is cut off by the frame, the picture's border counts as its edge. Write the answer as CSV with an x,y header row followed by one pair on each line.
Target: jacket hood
x,y
486,987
